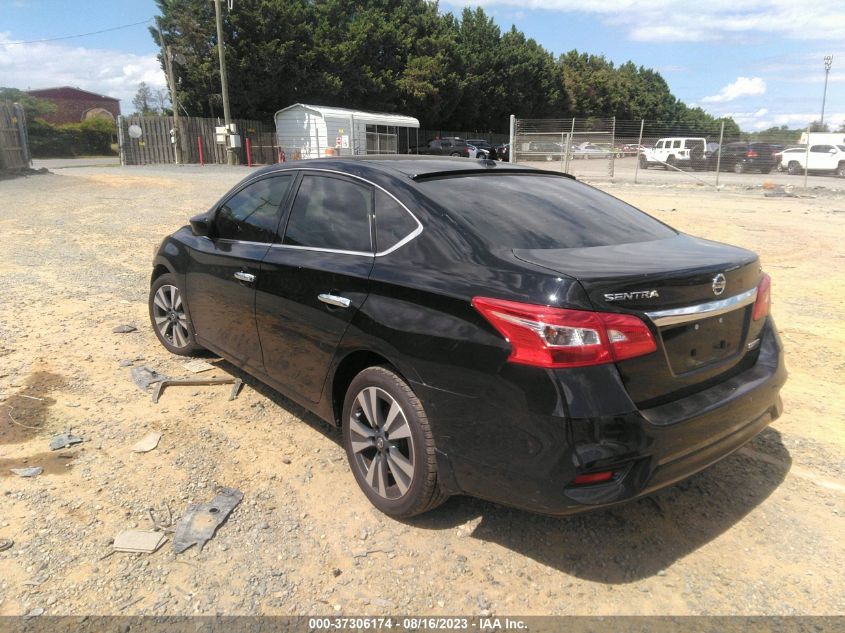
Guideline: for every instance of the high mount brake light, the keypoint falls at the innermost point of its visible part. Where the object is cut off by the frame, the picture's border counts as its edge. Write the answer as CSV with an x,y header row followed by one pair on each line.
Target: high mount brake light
x,y
763,303
556,337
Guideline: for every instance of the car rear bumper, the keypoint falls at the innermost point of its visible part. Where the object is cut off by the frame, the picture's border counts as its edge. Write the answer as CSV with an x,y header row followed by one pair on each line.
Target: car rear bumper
x,y
533,465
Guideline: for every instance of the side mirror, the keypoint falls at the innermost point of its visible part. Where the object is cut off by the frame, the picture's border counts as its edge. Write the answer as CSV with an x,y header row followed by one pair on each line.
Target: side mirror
x,y
201,224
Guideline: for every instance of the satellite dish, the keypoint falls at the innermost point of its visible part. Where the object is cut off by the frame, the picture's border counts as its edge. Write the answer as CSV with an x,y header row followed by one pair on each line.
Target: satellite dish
x,y
135,131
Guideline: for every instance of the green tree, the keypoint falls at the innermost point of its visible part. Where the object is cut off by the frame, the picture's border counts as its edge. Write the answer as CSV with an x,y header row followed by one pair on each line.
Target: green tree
x,y
32,106
144,100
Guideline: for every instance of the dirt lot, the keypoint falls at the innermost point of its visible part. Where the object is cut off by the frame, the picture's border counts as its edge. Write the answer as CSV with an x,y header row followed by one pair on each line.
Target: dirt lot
x,y
759,533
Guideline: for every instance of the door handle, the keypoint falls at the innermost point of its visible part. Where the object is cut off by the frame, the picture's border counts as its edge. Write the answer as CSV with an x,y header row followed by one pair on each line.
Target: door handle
x,y
242,276
334,300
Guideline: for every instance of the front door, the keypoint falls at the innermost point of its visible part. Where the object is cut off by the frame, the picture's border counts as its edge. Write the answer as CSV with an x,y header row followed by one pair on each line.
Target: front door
x,y
223,267
313,282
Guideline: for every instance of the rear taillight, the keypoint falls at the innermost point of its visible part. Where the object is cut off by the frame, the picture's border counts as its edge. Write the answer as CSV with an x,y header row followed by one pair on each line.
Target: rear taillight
x,y
556,337
764,298
751,154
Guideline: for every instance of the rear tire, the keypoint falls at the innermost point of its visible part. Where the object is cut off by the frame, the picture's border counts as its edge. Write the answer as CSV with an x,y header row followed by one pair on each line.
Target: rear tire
x,y
670,162
739,167
840,171
389,444
169,316
643,162
794,168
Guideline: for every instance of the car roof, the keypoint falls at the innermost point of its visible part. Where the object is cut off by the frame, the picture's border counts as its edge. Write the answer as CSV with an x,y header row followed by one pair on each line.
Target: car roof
x,y
402,165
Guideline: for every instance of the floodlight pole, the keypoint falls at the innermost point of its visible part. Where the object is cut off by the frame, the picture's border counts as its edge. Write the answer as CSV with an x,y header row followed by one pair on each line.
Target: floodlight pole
x,y
828,62
171,84
227,116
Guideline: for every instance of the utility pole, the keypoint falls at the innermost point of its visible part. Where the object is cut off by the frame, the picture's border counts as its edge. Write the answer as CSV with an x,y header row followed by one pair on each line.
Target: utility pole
x,y
227,115
828,62
171,84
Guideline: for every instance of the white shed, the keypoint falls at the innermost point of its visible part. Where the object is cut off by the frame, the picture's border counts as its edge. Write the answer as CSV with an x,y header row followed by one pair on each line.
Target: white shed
x,y
309,131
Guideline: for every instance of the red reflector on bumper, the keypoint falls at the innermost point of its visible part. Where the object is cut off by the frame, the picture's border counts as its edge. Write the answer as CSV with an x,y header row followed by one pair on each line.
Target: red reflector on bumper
x,y
593,478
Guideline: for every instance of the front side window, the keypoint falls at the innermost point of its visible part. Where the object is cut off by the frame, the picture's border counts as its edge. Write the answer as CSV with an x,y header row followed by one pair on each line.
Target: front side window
x,y
252,214
821,149
331,213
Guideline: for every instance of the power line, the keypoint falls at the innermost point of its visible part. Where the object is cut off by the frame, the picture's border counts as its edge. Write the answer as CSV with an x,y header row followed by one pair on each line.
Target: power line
x,y
70,37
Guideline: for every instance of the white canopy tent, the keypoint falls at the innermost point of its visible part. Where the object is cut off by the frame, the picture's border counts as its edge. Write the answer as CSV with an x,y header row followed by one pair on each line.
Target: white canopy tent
x,y
310,131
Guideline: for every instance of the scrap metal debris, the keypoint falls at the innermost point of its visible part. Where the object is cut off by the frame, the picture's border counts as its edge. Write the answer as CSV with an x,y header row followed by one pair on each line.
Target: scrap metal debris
x,y
124,329
6,543
201,520
236,383
198,366
139,541
32,471
147,443
144,376
64,440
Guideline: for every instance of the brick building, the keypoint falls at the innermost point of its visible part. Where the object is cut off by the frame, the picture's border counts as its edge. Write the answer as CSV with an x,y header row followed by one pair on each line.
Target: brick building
x,y
74,105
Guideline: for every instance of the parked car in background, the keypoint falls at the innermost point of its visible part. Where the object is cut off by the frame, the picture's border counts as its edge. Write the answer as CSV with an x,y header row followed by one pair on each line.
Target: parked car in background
x,y
470,328
452,146
610,149
544,150
782,157
822,158
589,150
480,143
475,152
674,152
742,156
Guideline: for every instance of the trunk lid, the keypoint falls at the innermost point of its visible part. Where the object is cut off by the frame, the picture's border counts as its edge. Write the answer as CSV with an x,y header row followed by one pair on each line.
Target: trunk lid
x,y
696,295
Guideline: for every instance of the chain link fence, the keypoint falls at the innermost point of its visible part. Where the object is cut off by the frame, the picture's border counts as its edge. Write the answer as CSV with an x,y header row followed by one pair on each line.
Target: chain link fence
x,y
677,151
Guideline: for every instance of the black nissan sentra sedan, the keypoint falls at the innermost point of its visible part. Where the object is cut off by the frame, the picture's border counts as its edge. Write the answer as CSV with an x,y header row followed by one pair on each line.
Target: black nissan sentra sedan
x,y
479,328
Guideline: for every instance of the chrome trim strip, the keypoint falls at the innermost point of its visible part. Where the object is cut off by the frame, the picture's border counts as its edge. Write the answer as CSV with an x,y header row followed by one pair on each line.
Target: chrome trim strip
x,y
702,310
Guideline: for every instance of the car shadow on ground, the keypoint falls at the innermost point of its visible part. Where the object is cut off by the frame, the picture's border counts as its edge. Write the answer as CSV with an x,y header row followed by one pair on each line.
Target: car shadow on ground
x,y
618,545
635,540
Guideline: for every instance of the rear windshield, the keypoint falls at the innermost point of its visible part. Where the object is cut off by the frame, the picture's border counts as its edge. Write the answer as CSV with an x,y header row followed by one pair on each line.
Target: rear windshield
x,y
542,212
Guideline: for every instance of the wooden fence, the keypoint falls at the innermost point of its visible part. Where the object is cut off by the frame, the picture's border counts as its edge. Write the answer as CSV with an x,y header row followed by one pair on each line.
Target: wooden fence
x,y
14,145
198,142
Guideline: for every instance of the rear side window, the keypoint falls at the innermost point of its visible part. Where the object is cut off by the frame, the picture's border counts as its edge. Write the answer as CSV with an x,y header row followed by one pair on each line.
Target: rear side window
x,y
252,214
541,212
331,213
393,222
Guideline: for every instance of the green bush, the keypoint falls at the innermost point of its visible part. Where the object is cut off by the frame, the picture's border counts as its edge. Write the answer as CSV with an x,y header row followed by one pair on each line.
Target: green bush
x,y
90,137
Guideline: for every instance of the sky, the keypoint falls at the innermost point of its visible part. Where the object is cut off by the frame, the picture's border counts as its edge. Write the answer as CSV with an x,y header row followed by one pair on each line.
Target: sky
x,y
758,61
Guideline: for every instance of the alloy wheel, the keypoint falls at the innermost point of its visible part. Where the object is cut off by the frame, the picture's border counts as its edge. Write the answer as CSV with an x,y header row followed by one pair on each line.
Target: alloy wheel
x,y
382,443
169,316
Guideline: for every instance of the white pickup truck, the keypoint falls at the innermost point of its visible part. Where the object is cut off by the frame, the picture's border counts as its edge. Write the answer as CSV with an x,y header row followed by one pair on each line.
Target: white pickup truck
x,y
823,157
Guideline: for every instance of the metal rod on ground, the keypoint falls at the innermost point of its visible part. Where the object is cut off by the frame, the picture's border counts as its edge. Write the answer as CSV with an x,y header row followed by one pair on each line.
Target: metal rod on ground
x,y
807,158
563,151
719,155
639,151
512,150
199,148
248,153
171,84
224,87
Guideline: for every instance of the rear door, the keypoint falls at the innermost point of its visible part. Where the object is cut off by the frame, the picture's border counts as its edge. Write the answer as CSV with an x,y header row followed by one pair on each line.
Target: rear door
x,y
223,267
315,279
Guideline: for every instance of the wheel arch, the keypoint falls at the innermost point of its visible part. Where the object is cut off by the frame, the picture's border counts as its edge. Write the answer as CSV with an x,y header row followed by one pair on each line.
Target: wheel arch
x,y
354,362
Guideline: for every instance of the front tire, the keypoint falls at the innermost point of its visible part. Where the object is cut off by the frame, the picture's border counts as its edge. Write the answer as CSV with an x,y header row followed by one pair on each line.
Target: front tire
x,y
389,444
643,162
794,168
739,167
169,317
840,171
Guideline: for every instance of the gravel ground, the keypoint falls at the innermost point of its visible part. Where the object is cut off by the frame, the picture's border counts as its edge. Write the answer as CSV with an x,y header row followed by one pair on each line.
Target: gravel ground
x,y
759,533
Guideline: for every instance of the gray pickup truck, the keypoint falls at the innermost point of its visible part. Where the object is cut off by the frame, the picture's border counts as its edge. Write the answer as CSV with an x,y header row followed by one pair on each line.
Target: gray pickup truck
x,y
443,147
